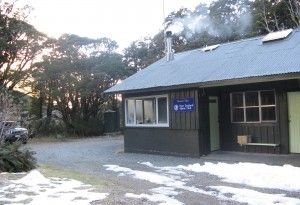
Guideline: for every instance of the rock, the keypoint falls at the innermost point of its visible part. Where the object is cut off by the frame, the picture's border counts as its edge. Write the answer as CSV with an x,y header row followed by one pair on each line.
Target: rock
x,y
57,114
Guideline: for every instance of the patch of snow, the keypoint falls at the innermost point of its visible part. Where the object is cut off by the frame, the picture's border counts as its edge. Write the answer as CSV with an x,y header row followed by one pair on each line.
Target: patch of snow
x,y
156,178
210,48
160,198
33,178
172,182
168,191
17,173
168,169
252,174
149,164
147,176
41,190
252,197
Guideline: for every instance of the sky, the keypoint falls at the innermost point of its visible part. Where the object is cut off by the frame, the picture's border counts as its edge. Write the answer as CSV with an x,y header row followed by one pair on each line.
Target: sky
x,y
121,20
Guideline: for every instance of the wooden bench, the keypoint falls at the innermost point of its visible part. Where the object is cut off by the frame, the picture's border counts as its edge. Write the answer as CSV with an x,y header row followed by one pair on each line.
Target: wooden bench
x,y
262,144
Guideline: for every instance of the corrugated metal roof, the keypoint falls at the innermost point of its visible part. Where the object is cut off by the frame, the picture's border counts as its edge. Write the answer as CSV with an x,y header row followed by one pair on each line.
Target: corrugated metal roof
x,y
236,60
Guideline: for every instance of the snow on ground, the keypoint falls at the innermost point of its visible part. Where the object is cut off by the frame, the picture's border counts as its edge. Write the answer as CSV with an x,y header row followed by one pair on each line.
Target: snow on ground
x,y
252,197
252,174
160,198
34,188
152,177
170,184
173,181
166,180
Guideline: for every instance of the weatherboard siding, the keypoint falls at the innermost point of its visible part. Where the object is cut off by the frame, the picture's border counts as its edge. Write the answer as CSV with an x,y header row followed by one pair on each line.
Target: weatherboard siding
x,y
184,120
188,132
177,120
180,138
162,141
264,132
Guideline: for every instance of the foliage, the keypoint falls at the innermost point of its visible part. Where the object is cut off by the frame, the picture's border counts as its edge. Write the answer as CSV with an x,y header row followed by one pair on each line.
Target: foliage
x,y
271,15
294,10
221,21
74,71
72,79
36,108
12,159
91,127
20,46
9,111
48,126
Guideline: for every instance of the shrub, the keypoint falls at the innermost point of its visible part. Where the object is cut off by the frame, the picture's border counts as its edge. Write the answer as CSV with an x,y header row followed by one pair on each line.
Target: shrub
x,y
48,127
12,159
90,127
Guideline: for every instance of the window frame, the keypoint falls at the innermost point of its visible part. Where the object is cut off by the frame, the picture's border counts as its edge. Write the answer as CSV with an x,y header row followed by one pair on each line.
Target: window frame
x,y
260,106
156,111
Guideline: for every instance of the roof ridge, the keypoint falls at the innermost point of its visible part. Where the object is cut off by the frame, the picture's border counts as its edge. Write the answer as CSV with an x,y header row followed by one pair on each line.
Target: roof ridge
x,y
234,42
221,44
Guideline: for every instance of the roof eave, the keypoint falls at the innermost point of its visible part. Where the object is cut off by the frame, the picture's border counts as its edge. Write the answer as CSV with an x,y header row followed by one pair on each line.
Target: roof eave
x,y
227,82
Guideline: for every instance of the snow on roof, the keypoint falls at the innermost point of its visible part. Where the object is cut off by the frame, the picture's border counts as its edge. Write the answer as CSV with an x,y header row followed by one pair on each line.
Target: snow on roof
x,y
277,35
210,48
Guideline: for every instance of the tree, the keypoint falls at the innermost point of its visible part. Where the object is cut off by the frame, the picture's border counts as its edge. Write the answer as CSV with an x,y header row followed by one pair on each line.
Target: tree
x,y
20,46
9,111
222,21
136,55
272,15
73,77
294,9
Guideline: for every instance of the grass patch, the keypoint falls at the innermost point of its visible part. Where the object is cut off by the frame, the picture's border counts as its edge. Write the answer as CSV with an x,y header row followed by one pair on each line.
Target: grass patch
x,y
51,171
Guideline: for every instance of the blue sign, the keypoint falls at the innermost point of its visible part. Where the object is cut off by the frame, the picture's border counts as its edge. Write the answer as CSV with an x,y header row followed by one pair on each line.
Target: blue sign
x,y
184,105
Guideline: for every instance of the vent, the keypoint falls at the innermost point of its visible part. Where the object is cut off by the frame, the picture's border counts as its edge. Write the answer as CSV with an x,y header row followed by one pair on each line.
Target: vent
x,y
168,45
210,48
274,36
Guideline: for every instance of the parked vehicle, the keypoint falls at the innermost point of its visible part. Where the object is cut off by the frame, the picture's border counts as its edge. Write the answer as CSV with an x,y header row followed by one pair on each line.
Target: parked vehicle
x,y
12,132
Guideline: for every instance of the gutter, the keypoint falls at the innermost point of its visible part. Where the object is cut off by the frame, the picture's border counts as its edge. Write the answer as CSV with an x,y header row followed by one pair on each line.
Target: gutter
x,y
218,83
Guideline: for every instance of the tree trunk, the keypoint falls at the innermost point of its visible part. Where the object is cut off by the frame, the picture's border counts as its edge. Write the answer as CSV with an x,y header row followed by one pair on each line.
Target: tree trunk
x,y
49,107
40,107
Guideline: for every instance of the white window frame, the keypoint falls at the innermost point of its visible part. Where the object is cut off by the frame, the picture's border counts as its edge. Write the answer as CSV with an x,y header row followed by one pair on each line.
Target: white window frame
x,y
260,106
156,111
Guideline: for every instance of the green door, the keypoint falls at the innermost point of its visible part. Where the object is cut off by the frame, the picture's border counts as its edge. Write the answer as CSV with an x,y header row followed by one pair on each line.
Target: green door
x,y
294,121
214,123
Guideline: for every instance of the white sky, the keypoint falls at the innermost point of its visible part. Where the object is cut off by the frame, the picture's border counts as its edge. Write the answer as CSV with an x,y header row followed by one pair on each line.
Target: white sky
x,y
120,20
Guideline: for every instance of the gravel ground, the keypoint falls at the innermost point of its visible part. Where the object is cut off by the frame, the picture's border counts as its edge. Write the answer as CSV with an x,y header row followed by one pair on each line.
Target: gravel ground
x,y
89,155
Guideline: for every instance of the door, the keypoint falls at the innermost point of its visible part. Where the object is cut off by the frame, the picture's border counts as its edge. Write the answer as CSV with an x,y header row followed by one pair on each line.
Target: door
x,y
294,121
214,123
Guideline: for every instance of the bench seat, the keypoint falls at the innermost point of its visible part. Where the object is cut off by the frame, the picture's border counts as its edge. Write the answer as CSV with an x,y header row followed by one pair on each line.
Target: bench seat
x,y
261,144
275,146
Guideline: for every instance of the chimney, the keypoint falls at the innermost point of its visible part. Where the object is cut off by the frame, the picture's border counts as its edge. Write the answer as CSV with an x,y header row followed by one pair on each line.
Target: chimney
x,y
168,45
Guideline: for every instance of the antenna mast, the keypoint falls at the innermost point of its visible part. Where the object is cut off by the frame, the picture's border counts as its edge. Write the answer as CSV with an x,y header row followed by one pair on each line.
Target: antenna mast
x,y
164,10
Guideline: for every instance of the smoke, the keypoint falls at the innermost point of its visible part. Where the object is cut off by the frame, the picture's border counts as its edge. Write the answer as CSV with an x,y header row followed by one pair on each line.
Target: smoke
x,y
238,21
192,25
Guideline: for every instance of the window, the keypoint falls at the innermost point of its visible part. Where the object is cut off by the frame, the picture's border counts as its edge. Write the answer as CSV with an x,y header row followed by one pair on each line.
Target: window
x,y
147,111
130,111
268,106
253,106
162,106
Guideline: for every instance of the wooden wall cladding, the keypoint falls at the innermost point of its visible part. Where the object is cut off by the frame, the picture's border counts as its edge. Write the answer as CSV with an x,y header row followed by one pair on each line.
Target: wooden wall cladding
x,y
184,120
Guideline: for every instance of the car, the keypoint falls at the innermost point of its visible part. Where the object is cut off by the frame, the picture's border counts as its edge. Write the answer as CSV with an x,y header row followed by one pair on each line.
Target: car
x,y
13,132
